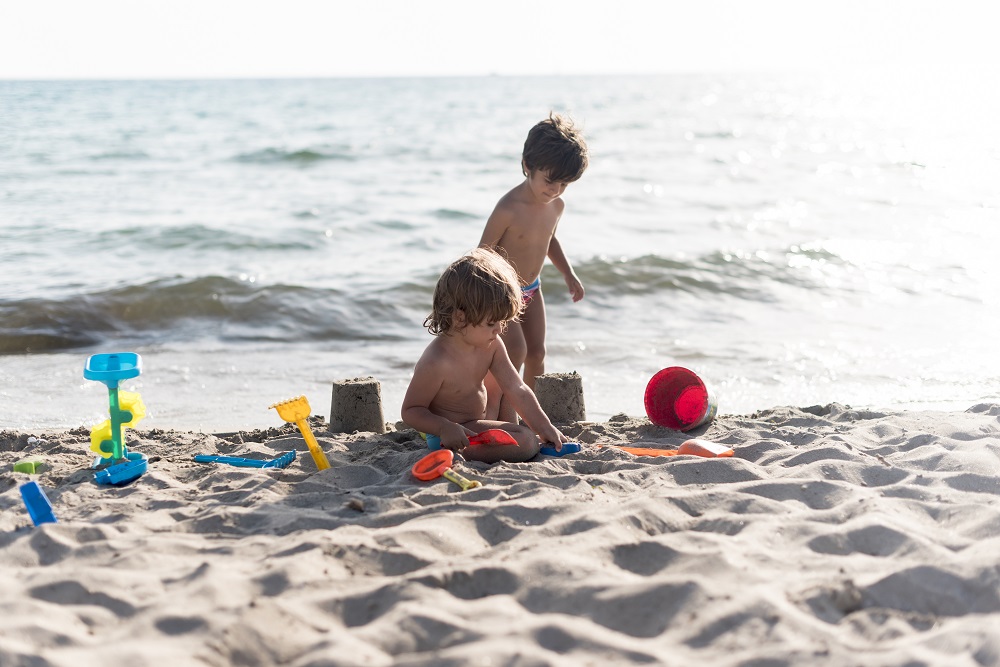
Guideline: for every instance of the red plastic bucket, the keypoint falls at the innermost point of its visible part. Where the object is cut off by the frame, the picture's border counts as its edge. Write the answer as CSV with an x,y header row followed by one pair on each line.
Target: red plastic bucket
x,y
678,399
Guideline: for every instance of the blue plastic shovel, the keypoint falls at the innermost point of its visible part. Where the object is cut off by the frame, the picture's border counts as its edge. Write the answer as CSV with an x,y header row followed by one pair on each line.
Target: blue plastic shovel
x,y
282,461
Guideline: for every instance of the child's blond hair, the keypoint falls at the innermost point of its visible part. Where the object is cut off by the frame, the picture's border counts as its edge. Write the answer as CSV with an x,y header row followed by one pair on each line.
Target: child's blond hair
x,y
481,284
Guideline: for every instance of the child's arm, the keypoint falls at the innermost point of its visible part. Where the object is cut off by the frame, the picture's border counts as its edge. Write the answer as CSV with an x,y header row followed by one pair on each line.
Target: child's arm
x,y
497,224
522,398
560,261
424,387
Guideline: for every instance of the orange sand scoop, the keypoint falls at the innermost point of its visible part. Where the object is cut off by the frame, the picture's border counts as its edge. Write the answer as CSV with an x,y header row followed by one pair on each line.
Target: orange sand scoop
x,y
693,447
647,451
699,447
296,411
438,463
433,465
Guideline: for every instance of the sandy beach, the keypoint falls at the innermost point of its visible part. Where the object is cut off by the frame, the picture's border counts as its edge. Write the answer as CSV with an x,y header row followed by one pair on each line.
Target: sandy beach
x,y
833,536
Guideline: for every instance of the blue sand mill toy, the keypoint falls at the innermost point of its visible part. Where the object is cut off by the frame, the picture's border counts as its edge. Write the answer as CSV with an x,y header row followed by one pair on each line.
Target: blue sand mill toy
x,y
126,408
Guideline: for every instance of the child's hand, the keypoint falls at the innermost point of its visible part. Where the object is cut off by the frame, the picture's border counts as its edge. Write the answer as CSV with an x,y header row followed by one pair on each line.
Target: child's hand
x,y
554,436
575,288
455,436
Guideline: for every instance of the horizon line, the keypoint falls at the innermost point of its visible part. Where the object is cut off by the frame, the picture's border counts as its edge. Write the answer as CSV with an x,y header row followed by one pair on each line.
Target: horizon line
x,y
486,75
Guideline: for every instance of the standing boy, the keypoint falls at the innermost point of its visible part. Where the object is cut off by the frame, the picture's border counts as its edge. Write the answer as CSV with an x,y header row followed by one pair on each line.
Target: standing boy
x,y
522,228
475,298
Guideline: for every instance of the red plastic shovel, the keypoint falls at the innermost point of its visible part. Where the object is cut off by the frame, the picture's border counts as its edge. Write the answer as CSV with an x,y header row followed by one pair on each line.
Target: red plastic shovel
x,y
493,436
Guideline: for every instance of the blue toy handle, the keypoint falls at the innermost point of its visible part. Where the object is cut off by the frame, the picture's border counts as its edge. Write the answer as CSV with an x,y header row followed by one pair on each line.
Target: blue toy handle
x,y
567,448
39,507
230,460
278,462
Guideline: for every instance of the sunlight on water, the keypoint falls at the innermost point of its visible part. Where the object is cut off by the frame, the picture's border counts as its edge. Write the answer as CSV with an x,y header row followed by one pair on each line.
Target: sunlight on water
x,y
795,239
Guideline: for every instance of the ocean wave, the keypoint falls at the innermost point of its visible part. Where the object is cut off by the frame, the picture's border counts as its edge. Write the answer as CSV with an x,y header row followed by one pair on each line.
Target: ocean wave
x,y
120,155
452,214
193,237
741,274
210,307
395,224
301,157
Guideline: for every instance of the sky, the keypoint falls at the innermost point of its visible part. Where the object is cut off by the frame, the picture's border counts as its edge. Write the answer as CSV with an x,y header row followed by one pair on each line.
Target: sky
x,y
112,39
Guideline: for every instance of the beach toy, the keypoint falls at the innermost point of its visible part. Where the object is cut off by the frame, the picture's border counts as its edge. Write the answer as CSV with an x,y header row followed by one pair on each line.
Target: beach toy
x,y
437,464
28,466
296,410
491,436
678,399
132,467
693,447
567,448
282,461
646,451
126,410
699,447
433,465
39,507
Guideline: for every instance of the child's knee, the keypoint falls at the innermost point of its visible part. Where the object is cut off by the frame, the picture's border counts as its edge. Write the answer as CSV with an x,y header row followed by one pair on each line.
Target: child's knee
x,y
535,357
527,441
533,450
515,344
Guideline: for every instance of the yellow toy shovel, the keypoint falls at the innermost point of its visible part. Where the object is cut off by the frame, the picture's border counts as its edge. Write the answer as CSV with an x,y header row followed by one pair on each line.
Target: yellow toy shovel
x,y
296,410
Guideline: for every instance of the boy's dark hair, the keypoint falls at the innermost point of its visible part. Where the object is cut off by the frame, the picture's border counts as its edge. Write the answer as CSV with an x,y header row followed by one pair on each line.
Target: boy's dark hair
x,y
556,146
481,284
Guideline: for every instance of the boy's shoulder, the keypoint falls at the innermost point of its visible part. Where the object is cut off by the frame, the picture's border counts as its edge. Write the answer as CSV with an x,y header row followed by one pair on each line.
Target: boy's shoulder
x,y
507,209
518,198
511,197
434,354
441,360
518,210
506,205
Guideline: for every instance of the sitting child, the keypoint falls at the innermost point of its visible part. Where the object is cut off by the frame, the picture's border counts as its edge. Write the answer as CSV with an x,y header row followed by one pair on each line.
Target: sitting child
x,y
474,300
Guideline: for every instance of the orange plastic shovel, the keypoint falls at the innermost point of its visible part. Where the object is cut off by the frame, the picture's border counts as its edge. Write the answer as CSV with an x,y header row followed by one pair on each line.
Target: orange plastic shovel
x,y
699,447
693,447
438,464
647,451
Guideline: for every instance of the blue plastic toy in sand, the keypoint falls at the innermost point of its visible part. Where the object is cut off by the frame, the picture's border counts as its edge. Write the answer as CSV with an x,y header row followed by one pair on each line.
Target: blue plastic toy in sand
x,y
39,507
113,368
126,409
133,466
567,448
282,461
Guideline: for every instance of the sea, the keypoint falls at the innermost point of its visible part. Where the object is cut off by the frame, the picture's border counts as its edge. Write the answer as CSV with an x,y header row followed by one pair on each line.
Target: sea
x,y
794,239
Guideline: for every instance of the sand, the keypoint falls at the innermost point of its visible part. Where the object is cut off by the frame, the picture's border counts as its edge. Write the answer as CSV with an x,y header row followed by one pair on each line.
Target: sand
x,y
832,537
